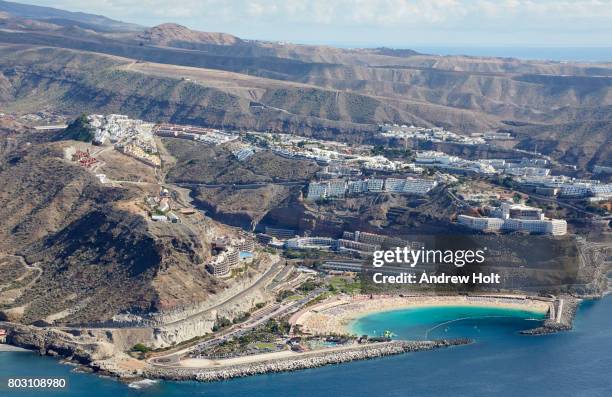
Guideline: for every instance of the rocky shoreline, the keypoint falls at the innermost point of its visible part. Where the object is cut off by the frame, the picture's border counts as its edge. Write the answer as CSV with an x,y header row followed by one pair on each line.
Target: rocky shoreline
x,y
362,352
101,358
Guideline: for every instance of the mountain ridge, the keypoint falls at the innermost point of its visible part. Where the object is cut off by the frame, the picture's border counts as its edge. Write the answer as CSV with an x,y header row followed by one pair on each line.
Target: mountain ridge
x,y
172,73
58,16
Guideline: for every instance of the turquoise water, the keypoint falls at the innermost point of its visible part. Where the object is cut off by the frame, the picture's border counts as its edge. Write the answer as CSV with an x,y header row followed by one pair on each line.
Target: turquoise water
x,y
500,363
245,254
447,322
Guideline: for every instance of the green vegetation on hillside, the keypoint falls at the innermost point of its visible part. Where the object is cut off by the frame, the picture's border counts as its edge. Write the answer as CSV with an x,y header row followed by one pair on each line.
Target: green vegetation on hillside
x,y
344,285
393,153
139,347
78,130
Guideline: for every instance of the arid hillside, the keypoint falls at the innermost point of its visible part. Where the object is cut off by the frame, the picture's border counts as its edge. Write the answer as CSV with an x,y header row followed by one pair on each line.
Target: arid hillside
x,y
85,254
171,73
205,164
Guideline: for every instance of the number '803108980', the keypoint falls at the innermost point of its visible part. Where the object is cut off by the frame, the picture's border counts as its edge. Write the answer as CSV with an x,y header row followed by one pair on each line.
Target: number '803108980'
x,y
36,383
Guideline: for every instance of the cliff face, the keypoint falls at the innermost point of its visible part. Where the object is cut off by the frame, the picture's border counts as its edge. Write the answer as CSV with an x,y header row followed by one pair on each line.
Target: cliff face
x,y
282,207
55,342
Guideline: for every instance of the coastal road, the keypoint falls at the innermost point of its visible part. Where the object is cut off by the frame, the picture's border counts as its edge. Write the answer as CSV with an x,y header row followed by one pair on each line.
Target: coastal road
x,y
273,270
236,331
34,267
253,185
261,282
279,310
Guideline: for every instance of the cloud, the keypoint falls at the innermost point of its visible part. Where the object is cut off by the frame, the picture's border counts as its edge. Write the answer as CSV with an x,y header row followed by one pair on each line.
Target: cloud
x,y
489,17
358,12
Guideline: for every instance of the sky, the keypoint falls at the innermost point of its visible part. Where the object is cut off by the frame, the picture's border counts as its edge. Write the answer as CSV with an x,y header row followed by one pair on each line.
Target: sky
x,y
393,23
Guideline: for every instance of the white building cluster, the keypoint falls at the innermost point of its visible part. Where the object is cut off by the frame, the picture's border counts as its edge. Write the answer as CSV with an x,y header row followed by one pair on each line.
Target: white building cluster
x,y
322,156
326,190
242,151
452,163
298,147
435,134
116,128
130,136
515,217
328,153
231,255
357,243
381,163
222,263
569,187
497,136
340,188
160,208
328,243
409,185
337,170
199,134
376,240
310,243
524,167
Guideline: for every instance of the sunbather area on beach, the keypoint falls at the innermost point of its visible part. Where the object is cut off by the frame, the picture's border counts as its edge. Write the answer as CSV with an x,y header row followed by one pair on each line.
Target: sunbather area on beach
x,y
334,316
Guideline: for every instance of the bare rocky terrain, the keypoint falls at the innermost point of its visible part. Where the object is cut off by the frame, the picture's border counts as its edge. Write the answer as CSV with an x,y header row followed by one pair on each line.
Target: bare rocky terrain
x,y
85,253
171,73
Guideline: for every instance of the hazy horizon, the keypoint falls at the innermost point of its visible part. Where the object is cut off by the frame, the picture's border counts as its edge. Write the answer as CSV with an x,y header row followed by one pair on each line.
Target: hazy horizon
x,y
373,23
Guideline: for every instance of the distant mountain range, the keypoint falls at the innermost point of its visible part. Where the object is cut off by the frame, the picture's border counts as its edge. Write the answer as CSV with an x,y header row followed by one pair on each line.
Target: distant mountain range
x,y
61,17
73,62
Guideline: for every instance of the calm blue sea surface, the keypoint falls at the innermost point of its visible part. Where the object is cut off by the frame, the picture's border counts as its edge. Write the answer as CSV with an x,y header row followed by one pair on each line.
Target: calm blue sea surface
x,y
577,54
500,363
483,323
559,54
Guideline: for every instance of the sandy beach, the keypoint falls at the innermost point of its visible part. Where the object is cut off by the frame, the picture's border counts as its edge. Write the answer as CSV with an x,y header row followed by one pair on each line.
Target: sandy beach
x,y
335,316
10,348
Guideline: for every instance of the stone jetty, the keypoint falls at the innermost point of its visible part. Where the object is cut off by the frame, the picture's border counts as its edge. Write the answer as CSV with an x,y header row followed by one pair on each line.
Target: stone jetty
x,y
563,321
360,352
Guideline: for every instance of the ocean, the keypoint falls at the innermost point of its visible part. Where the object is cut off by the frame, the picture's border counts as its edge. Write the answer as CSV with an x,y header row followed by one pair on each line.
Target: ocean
x,y
501,362
559,54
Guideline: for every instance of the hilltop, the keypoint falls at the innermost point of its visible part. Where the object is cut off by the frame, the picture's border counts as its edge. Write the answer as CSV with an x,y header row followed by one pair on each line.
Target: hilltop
x,y
175,35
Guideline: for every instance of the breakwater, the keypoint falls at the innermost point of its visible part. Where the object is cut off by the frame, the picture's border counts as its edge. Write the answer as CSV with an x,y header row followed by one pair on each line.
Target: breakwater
x,y
563,320
302,361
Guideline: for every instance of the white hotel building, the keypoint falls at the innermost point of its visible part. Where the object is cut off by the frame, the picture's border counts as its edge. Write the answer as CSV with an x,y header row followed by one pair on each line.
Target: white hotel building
x,y
516,217
409,185
339,188
324,190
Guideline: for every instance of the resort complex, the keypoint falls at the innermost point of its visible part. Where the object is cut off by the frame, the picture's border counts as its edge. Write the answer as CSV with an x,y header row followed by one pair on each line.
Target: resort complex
x,y
182,208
